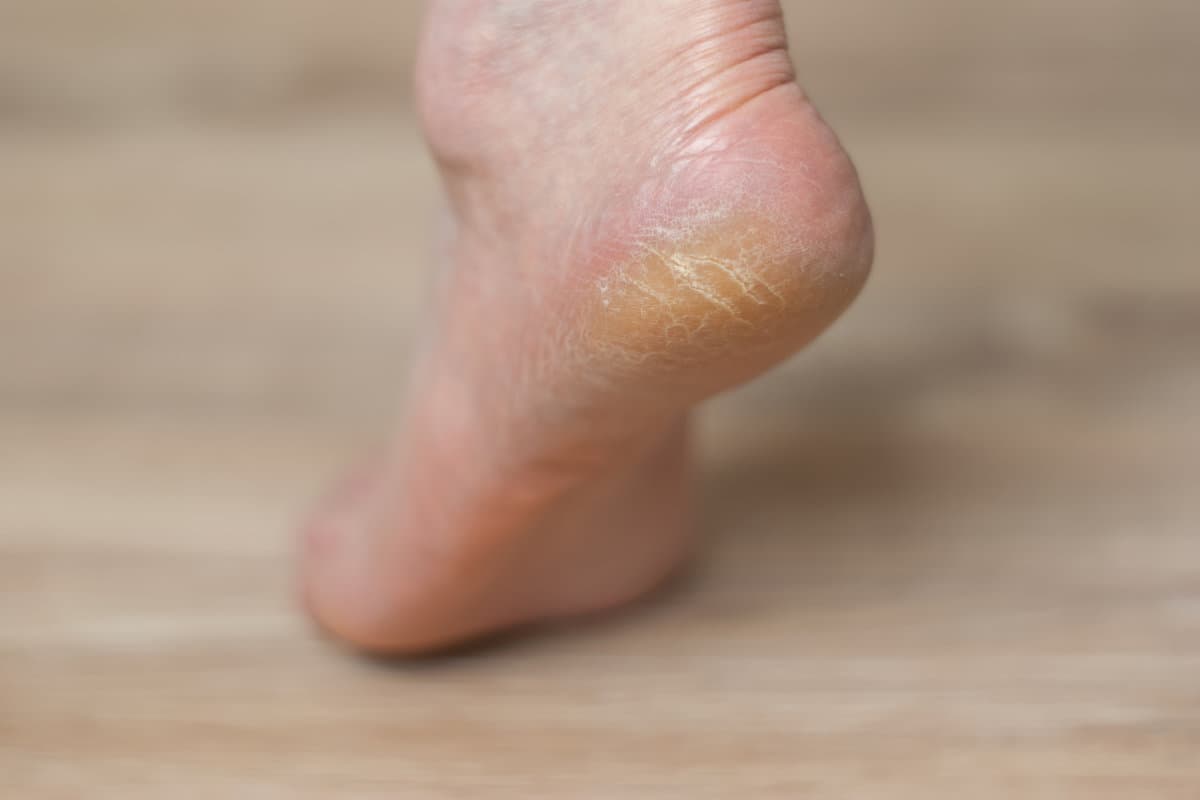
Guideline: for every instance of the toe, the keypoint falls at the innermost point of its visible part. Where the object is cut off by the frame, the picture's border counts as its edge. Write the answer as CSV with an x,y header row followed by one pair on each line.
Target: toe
x,y
348,586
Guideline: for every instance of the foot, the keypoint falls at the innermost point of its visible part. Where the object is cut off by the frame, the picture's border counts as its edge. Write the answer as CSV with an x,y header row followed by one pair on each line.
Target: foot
x,y
646,211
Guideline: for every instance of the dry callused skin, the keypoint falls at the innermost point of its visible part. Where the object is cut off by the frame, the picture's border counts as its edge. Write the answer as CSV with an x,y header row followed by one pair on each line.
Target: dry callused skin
x,y
730,288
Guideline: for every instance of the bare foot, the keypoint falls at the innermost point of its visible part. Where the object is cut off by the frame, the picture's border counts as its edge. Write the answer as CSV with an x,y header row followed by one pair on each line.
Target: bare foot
x,y
647,211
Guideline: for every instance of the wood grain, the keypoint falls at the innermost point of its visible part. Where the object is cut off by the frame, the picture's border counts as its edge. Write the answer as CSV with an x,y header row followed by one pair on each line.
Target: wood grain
x,y
954,550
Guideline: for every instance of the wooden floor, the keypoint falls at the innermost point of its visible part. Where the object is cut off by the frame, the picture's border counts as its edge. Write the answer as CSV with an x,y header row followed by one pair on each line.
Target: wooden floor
x,y
954,549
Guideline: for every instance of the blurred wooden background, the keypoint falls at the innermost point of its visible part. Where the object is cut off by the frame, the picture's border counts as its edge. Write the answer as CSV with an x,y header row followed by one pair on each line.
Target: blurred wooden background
x,y
955,549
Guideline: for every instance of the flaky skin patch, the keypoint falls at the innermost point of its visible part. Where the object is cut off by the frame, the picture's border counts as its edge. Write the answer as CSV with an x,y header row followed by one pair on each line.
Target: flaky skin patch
x,y
685,297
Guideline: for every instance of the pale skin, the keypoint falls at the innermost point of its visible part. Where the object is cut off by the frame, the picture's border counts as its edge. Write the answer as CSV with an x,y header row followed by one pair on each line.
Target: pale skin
x,y
646,211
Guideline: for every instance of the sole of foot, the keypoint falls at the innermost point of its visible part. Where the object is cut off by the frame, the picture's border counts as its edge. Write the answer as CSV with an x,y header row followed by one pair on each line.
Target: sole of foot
x,y
646,210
